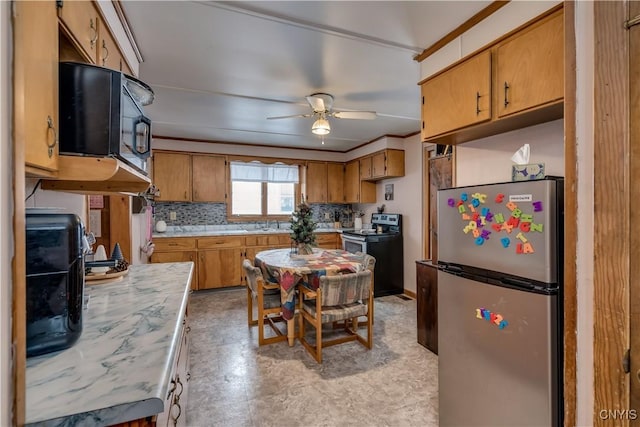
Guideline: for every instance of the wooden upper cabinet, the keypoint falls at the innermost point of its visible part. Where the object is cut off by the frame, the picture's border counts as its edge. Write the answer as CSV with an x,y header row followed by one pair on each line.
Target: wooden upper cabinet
x,y
530,67
172,176
36,84
352,182
387,164
335,183
80,20
316,182
356,190
108,52
365,168
208,178
458,97
516,82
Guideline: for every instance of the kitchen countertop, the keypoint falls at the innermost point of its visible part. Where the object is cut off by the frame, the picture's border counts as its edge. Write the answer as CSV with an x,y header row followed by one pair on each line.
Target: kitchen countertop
x,y
119,369
206,232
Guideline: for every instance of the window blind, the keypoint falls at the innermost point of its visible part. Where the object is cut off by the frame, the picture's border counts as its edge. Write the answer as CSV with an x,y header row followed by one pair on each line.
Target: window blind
x,y
260,172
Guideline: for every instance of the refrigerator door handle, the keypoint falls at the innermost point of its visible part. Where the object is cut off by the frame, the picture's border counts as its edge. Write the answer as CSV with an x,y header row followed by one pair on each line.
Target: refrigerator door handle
x,y
519,283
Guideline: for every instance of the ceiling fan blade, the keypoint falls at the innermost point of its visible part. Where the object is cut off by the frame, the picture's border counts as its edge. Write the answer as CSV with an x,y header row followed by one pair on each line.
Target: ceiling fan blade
x,y
320,102
289,117
363,115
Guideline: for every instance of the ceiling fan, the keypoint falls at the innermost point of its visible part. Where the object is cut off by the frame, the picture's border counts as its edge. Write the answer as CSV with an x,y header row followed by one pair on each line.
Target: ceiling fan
x,y
321,104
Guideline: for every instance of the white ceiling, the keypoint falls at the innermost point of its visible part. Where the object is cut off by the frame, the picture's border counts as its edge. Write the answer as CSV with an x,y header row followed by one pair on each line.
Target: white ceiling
x,y
219,69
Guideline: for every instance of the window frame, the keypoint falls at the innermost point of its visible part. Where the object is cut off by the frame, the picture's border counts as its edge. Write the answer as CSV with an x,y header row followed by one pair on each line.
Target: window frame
x,y
264,216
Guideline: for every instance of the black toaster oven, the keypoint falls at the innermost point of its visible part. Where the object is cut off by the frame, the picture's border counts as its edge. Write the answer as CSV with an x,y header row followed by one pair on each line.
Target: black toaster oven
x,y
55,281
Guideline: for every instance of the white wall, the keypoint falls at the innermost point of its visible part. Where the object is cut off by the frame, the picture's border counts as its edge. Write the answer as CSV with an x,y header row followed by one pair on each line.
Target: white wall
x,y
6,215
488,160
506,19
72,203
407,200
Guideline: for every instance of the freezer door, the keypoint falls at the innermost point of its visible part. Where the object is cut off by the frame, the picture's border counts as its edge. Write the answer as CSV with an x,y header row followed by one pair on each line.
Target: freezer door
x,y
510,228
490,375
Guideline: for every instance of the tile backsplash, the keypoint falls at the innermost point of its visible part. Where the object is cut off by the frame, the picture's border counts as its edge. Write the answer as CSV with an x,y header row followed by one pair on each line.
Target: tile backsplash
x,y
216,213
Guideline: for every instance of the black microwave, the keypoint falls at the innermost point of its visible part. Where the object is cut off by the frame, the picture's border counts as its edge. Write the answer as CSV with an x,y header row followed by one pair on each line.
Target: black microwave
x,y
101,114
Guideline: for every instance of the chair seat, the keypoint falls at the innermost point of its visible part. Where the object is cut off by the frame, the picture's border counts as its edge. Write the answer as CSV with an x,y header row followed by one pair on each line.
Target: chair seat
x,y
272,300
336,313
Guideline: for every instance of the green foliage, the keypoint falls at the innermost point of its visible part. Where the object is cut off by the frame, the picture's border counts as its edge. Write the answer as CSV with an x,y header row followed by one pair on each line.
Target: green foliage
x,y
302,226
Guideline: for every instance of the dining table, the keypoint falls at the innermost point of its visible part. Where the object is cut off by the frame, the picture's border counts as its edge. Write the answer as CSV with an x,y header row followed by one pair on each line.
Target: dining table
x,y
289,270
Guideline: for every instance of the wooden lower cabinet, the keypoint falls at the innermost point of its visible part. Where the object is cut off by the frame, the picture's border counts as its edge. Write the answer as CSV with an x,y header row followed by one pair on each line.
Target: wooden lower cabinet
x,y
184,256
218,260
175,405
328,241
218,268
427,293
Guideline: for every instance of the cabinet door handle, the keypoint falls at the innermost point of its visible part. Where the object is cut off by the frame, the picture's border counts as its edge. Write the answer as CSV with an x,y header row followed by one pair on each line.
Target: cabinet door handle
x,y
94,33
506,89
185,195
52,128
106,50
477,103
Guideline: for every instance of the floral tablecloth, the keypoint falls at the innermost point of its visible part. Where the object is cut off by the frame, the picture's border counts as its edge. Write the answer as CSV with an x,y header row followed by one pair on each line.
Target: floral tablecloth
x,y
289,270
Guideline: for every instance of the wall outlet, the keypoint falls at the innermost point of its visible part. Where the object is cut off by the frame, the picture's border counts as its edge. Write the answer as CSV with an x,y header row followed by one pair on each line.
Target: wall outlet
x,y
327,215
172,215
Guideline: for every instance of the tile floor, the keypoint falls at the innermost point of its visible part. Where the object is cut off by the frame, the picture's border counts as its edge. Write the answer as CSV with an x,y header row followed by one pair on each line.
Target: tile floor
x,y
236,383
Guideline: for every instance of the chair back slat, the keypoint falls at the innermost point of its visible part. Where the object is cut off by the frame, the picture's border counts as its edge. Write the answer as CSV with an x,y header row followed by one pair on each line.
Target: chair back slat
x,y
345,288
253,275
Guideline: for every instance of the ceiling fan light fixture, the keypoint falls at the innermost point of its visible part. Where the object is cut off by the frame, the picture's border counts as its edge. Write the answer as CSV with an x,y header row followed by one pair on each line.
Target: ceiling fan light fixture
x,y
321,127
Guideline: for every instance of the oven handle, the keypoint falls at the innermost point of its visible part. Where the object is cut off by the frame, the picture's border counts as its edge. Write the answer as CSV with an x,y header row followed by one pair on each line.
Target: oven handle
x,y
354,239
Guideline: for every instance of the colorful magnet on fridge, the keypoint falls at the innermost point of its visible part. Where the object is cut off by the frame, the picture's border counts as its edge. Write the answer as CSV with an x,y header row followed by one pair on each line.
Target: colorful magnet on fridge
x,y
525,226
499,198
536,227
513,222
489,216
451,202
484,211
499,217
475,232
505,242
461,209
527,248
537,206
507,227
466,217
526,217
475,203
521,237
511,206
516,213
496,227
485,234
479,240
482,198
503,324
470,205
464,197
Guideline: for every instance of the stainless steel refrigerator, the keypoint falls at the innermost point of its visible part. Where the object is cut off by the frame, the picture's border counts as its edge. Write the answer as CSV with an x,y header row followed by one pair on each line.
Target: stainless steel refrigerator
x,y
499,304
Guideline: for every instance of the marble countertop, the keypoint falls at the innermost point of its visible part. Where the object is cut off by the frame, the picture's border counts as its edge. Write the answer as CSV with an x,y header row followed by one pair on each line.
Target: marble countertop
x,y
205,231
119,369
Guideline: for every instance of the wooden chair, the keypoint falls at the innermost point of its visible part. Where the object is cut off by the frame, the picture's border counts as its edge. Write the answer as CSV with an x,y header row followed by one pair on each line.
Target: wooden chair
x,y
340,298
267,296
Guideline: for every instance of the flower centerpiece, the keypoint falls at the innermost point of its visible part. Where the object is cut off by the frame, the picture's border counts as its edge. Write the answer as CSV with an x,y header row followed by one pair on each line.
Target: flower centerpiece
x,y
302,226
